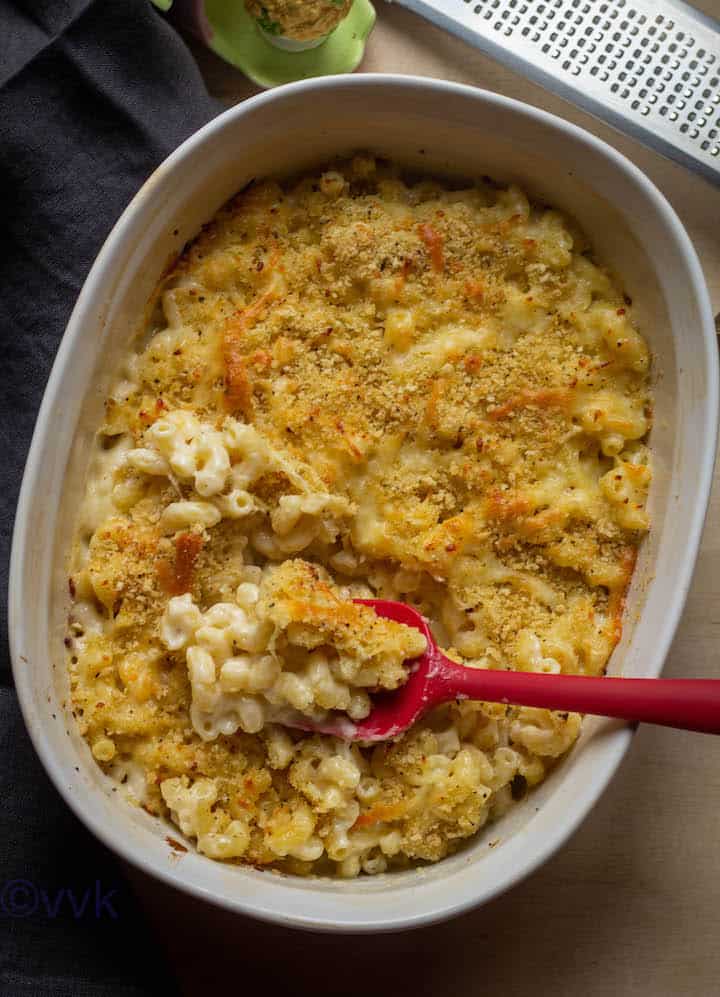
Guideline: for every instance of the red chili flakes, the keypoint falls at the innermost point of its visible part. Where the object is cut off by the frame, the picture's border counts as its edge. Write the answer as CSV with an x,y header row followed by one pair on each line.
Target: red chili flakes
x,y
434,244
177,579
474,290
472,362
238,387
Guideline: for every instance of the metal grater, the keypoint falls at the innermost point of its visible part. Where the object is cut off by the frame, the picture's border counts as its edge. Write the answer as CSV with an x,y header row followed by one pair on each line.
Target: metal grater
x,y
649,67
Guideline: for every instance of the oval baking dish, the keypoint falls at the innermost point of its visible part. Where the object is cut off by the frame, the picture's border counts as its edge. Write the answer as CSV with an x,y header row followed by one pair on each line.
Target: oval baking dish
x,y
429,126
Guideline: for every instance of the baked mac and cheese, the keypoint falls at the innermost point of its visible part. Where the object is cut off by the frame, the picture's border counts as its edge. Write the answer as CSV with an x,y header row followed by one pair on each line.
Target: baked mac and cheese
x,y
356,385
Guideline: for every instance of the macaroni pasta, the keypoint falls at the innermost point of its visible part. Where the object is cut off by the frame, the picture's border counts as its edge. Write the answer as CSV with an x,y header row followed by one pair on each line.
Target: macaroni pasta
x,y
356,386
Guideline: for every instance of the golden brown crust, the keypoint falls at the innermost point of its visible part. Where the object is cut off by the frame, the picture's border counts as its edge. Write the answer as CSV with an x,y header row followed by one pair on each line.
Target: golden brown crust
x,y
300,597
451,398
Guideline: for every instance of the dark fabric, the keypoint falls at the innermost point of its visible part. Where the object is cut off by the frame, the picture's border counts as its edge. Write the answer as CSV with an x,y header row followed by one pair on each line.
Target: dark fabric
x,y
93,95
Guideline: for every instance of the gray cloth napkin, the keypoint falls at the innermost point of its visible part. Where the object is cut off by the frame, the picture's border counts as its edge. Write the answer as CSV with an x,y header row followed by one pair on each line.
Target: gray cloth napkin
x,y
93,95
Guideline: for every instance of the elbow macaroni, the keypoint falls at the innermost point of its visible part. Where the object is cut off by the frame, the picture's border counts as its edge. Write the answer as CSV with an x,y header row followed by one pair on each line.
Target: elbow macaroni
x,y
262,658
356,387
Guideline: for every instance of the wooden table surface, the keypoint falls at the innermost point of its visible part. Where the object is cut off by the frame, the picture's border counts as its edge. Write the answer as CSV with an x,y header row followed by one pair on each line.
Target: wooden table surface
x,y
631,905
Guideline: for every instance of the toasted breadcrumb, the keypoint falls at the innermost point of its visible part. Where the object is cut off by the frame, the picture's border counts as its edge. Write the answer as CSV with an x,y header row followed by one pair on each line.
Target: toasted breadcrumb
x,y
450,402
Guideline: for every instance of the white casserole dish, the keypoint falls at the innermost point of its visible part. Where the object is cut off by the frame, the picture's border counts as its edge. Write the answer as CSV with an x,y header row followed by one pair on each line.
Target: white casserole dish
x,y
435,126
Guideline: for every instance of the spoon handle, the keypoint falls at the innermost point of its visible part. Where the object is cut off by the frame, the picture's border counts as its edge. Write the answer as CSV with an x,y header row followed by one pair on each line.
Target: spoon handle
x,y
689,704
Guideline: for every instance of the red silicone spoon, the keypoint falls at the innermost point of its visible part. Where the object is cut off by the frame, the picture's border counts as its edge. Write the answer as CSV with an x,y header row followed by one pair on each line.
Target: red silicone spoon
x,y
690,704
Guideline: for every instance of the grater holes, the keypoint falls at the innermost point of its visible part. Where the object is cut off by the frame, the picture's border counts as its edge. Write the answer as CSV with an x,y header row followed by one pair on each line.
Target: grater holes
x,y
632,52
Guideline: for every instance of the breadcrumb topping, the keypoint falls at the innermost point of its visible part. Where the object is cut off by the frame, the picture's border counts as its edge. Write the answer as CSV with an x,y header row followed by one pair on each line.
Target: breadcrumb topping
x,y
357,384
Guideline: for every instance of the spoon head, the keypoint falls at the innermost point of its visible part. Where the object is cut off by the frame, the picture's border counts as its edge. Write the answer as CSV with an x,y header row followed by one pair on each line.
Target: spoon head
x,y
392,712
